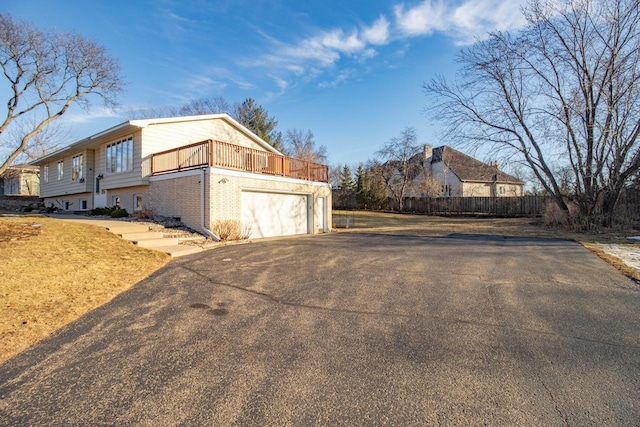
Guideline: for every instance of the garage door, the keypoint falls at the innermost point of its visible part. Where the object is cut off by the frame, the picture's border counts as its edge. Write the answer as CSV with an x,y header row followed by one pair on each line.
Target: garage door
x,y
274,214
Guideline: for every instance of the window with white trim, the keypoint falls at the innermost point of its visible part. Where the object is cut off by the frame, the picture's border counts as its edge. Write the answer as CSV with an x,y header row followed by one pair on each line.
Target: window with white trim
x,y
77,168
45,173
137,202
119,156
60,170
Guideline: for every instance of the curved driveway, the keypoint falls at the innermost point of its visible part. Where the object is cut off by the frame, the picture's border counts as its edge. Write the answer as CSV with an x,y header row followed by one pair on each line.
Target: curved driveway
x,y
348,329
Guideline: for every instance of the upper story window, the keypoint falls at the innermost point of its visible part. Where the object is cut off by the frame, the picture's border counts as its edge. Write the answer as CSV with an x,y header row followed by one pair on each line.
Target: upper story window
x,y
45,173
77,168
60,170
120,156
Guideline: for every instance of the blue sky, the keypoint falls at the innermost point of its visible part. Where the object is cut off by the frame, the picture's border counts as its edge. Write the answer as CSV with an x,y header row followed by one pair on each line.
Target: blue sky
x,y
349,71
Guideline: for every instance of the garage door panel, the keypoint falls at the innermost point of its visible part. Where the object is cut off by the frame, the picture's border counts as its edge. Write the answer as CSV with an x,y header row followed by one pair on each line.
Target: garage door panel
x,y
274,214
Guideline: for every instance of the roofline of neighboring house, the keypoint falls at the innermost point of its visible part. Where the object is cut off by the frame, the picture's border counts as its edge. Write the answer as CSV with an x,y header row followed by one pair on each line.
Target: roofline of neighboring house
x,y
492,181
100,137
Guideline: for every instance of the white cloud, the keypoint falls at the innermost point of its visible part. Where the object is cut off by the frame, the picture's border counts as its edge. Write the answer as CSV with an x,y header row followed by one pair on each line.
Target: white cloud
x,y
421,19
378,32
95,113
466,22
343,76
325,50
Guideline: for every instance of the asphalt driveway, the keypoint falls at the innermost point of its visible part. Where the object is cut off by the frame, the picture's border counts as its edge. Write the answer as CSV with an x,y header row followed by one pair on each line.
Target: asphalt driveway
x,y
348,329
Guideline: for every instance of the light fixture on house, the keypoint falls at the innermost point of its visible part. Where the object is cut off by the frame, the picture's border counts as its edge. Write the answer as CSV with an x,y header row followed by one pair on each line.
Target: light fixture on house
x,y
100,176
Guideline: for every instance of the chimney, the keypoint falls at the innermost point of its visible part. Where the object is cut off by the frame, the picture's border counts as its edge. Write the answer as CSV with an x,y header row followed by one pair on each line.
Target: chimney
x,y
428,151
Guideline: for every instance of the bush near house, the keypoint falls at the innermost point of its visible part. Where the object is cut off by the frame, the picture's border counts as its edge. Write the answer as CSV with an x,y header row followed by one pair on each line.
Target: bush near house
x,y
113,212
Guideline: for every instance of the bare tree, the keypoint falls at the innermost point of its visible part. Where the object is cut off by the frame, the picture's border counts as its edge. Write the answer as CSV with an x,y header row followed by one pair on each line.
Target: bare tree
x,y
565,88
215,105
300,144
152,112
194,107
46,73
51,138
400,165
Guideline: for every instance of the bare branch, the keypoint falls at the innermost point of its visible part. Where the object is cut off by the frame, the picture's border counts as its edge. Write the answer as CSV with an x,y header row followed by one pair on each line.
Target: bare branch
x,y
47,72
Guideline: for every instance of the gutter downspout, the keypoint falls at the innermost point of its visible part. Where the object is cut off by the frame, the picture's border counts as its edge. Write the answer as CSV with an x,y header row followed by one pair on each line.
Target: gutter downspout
x,y
202,226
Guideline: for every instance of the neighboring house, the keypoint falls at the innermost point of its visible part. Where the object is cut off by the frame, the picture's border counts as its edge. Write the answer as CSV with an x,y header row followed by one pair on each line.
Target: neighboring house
x,y
454,174
202,169
20,180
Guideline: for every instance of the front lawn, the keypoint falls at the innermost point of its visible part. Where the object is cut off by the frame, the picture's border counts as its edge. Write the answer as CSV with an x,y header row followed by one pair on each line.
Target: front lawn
x,y
54,271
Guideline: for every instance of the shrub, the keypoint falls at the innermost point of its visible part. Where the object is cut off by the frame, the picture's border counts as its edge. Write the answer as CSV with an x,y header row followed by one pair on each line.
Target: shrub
x,y
229,229
119,213
553,215
143,214
101,211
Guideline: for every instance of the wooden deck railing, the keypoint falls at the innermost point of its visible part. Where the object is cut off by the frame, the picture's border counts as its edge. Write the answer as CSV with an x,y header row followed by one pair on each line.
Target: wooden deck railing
x,y
230,156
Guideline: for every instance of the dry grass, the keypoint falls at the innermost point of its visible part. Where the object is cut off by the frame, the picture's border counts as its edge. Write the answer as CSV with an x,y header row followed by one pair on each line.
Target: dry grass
x,y
56,272
435,226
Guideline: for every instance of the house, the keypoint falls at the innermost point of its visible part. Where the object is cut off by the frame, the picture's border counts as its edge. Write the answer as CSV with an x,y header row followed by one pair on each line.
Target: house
x,y
455,174
20,180
202,169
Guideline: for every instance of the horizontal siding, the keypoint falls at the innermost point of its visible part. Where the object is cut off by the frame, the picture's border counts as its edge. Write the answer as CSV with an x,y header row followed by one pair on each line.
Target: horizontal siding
x,y
55,187
122,179
161,137
157,137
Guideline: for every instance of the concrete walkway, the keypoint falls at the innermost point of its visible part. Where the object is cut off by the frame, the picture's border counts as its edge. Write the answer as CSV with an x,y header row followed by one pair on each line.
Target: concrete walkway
x,y
138,233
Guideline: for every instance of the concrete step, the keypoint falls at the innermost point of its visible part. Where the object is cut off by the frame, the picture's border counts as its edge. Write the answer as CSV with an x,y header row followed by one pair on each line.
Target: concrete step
x,y
143,236
154,243
178,250
126,228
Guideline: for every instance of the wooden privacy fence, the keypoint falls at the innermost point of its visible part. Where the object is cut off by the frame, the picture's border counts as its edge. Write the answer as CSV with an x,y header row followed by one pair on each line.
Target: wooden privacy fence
x,y
503,206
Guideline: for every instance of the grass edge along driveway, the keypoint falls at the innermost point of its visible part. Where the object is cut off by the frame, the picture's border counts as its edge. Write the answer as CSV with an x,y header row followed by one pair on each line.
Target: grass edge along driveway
x,y
53,271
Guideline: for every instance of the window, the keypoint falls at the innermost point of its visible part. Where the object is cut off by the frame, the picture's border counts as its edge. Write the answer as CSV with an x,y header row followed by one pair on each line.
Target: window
x,y
115,201
45,174
502,189
137,202
83,205
60,170
119,156
77,168
66,205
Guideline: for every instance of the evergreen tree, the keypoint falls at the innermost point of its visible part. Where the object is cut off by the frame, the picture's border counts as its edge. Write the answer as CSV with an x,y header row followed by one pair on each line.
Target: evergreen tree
x,y
255,118
347,179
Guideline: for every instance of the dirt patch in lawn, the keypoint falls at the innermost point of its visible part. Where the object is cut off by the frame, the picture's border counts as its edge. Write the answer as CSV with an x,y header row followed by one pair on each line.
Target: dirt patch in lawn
x,y
55,271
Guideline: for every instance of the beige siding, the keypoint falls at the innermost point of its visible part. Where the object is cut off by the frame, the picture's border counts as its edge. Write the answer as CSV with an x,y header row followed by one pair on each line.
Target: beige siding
x,y
476,189
122,179
67,187
162,137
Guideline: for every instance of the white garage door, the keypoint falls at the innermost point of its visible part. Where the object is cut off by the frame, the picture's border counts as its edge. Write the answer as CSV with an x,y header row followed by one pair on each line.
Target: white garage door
x,y
274,214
